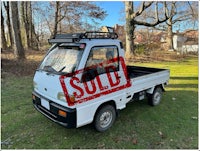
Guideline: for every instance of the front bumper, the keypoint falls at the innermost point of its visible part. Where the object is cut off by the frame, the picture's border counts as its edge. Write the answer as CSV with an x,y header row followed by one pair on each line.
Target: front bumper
x,y
52,113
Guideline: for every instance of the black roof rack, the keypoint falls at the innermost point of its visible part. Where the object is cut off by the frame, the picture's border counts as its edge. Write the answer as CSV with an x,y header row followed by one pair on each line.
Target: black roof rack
x,y
75,37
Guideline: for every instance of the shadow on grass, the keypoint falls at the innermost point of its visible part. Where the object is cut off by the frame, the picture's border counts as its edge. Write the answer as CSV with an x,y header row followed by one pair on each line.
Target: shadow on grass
x,y
184,78
182,86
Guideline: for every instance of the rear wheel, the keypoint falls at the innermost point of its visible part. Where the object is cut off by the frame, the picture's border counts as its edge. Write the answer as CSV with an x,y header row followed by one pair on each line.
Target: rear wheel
x,y
155,98
104,118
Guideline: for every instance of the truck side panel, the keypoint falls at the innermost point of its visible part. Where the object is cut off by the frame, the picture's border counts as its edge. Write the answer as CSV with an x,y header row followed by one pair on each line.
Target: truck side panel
x,y
148,81
86,111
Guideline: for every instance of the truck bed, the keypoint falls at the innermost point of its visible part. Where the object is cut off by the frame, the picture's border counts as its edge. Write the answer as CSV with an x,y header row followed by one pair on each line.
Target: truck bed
x,y
136,71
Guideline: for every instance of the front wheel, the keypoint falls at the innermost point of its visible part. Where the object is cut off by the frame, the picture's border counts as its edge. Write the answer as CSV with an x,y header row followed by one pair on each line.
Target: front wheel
x,y
155,98
105,118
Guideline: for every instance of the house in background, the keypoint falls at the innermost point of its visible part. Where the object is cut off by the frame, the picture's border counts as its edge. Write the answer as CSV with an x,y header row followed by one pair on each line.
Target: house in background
x,y
120,30
117,29
107,29
140,37
186,42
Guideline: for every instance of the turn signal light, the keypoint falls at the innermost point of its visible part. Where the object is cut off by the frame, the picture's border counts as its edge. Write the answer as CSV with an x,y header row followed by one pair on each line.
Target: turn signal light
x,y
33,97
72,98
62,113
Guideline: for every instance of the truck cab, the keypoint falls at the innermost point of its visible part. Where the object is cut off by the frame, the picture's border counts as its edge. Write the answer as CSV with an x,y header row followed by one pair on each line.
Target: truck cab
x,y
84,79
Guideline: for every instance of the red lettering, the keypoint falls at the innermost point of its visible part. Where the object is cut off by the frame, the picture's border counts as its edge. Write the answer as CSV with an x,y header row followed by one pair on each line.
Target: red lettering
x,y
76,87
101,87
88,82
112,84
87,88
89,76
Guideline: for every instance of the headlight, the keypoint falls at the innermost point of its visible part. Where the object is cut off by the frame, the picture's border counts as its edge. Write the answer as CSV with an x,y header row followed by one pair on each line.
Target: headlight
x,y
35,85
61,96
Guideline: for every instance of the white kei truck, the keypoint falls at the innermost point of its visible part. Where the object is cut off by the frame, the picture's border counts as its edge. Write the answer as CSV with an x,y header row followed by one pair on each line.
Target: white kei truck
x,y
83,79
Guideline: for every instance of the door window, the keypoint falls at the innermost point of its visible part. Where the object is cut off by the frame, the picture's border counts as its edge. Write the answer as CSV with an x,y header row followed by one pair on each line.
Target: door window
x,y
100,59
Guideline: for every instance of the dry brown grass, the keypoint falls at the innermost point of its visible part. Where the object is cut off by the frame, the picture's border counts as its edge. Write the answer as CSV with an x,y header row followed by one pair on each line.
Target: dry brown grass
x,y
11,66
157,56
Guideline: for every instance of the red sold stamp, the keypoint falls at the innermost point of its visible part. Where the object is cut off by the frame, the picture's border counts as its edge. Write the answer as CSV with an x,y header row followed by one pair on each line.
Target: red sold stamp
x,y
95,81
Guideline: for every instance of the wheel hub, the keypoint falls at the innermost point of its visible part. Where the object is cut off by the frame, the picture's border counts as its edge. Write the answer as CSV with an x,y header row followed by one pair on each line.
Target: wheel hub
x,y
105,119
157,98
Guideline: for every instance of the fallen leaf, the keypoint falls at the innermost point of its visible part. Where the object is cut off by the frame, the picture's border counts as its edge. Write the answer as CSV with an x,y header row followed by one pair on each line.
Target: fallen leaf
x,y
161,135
135,141
173,99
194,118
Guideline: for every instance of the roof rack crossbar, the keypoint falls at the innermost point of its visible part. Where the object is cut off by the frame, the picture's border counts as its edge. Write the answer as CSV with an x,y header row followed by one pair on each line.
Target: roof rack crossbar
x,y
100,35
65,38
75,37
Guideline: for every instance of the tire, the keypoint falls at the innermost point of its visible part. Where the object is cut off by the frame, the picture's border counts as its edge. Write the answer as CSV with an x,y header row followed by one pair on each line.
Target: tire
x,y
104,118
155,98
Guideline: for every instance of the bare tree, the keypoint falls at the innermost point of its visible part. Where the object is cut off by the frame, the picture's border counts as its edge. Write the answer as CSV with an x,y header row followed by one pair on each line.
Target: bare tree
x,y
177,15
72,14
130,28
24,14
19,50
180,13
27,19
56,21
7,8
170,25
132,21
3,38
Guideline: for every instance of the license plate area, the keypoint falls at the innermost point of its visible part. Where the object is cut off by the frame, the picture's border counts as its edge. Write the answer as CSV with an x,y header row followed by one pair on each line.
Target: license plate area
x,y
45,103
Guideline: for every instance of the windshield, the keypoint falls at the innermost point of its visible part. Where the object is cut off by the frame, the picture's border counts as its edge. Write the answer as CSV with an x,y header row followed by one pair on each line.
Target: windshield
x,y
62,59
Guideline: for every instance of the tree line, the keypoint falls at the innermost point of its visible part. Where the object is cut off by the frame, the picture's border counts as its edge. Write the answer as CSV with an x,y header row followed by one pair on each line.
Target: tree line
x,y
19,20
34,22
157,14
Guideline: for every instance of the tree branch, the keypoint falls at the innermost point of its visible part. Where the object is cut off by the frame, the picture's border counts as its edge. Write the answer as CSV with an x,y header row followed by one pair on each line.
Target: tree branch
x,y
179,20
191,7
158,21
141,9
150,24
156,11
166,10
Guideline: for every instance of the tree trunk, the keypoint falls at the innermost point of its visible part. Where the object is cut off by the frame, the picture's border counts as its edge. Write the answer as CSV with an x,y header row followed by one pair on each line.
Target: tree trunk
x,y
7,8
170,34
131,20
24,13
56,19
23,17
3,38
130,27
31,37
19,50
60,23
30,22
27,24
34,40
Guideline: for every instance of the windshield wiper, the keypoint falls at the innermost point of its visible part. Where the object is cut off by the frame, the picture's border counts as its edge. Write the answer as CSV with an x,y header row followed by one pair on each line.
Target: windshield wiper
x,y
49,69
62,69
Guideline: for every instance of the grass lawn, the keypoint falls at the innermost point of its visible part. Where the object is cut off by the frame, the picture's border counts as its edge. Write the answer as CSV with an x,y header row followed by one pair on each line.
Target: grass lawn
x,y
171,125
